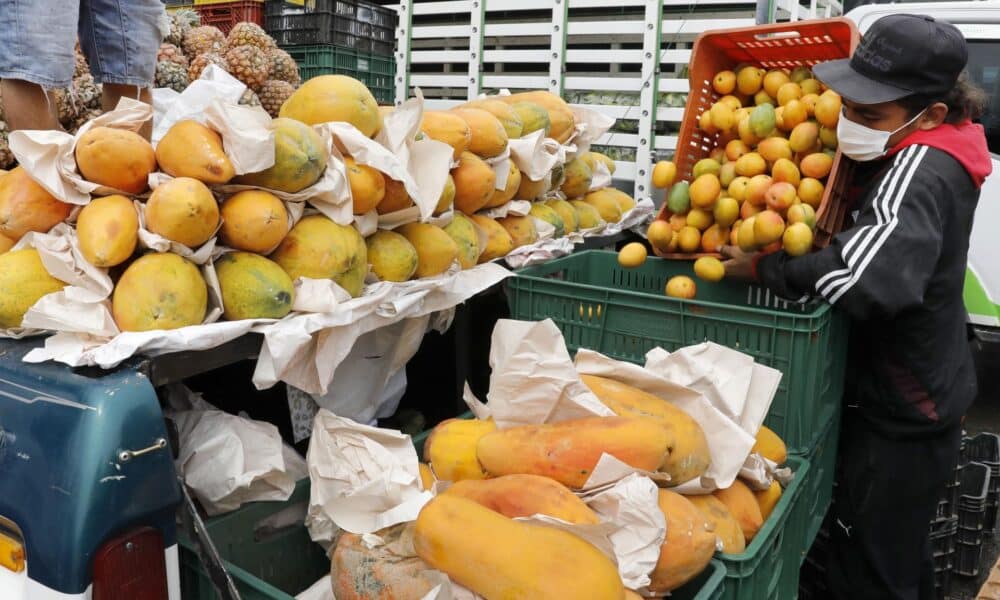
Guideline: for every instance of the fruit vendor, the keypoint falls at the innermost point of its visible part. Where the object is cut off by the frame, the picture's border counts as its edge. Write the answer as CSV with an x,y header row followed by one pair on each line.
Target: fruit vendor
x,y
119,38
898,272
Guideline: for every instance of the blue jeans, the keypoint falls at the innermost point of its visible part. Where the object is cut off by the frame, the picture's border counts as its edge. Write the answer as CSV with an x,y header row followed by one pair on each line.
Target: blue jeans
x,y
120,39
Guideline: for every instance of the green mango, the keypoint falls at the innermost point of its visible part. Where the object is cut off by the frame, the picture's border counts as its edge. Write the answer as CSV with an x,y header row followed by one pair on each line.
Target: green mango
x,y
678,200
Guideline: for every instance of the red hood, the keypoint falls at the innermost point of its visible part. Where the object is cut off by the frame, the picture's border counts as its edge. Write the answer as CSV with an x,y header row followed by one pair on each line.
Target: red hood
x,y
965,142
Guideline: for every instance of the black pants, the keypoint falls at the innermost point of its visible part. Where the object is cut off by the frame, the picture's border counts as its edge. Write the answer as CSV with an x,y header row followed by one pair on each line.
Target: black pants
x,y
886,497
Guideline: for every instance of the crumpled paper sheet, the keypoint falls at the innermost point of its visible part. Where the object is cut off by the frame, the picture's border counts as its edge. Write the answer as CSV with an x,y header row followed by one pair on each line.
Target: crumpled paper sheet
x,y
48,156
533,379
590,126
427,162
639,214
304,350
517,208
601,177
540,252
631,504
501,168
171,107
228,460
373,360
363,478
81,306
536,155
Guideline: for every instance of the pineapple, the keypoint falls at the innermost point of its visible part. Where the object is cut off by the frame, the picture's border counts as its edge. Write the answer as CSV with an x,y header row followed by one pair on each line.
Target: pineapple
x,y
200,62
171,75
87,91
181,22
249,64
273,94
203,39
249,98
283,67
171,53
7,160
249,34
67,104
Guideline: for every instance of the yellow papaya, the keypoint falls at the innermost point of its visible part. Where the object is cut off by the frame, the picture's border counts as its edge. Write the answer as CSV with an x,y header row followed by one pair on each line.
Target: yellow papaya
x,y
451,448
367,185
529,189
742,504
475,183
334,98
522,230
576,178
427,477
688,546
318,248
561,118
533,117
503,112
159,291
568,451
392,256
447,127
489,138
689,456
606,203
770,446
108,230
499,558
23,281
568,214
436,250
466,238
498,241
190,149
27,206
253,221
183,210
395,197
117,158
501,197
541,211
768,499
299,159
526,495
727,528
253,287
447,197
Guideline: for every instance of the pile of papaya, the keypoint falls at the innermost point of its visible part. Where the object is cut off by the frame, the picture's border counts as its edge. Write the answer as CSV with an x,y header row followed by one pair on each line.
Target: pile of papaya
x,y
470,529
266,249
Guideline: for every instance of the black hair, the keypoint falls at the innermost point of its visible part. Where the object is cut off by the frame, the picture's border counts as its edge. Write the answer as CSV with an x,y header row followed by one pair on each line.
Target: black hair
x,y
965,101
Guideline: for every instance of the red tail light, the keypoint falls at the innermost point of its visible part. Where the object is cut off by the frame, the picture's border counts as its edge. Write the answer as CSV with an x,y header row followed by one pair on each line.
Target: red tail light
x,y
131,566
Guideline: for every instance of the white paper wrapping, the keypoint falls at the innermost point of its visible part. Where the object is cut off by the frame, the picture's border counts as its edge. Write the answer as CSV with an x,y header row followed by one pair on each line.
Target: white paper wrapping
x,y
536,155
304,350
214,84
590,126
48,156
228,460
363,478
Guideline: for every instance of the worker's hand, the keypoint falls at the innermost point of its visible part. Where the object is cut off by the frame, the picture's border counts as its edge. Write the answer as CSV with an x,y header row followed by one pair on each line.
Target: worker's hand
x,y
739,264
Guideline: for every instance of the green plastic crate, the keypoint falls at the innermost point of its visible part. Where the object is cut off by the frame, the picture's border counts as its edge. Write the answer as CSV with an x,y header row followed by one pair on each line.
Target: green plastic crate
x,y
376,72
264,564
624,313
708,585
817,492
769,567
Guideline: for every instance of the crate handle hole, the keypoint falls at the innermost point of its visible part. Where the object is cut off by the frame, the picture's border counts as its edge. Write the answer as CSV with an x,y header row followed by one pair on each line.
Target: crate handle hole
x,y
781,35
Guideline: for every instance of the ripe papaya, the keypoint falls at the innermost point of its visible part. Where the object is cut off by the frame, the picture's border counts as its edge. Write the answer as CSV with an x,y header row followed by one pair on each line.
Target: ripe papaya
x,y
561,118
770,446
474,183
451,448
727,528
253,221
606,203
466,238
299,159
533,117
334,98
522,230
115,158
688,546
367,185
498,240
447,127
108,230
577,177
23,281
318,248
501,197
27,206
190,149
183,210
503,112
489,138
436,250
159,291
253,287
742,504
392,256
524,496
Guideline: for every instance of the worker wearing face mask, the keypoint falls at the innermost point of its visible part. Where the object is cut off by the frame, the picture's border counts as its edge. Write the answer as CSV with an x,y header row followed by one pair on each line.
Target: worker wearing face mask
x,y
898,272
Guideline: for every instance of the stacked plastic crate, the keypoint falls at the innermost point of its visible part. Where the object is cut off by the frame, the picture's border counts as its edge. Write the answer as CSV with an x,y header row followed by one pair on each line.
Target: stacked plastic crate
x,y
225,15
338,37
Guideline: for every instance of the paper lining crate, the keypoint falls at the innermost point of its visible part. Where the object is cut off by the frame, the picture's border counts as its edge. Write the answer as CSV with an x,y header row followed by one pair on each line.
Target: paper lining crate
x,y
782,45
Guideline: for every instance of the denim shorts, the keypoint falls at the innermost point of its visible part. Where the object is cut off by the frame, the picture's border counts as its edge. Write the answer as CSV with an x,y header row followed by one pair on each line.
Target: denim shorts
x,y
120,39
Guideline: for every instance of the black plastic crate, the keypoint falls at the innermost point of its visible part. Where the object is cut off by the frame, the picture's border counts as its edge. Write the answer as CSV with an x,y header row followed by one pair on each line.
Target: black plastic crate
x,y
971,536
942,536
973,494
347,24
943,566
967,557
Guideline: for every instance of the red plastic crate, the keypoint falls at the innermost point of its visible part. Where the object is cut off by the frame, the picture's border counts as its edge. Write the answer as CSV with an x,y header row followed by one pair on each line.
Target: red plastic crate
x,y
780,45
225,15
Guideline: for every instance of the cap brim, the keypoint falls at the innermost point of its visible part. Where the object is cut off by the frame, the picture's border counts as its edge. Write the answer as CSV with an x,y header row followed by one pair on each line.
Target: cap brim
x,y
839,76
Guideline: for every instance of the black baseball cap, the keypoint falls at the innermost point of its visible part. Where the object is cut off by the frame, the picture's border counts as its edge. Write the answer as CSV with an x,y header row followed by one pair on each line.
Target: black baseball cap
x,y
899,56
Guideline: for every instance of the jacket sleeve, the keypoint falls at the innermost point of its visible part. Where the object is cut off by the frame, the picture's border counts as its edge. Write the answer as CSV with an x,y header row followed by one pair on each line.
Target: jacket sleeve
x,y
883,263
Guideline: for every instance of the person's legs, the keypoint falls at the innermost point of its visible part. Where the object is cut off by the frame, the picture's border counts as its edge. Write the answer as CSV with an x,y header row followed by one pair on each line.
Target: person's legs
x,y
36,52
120,39
887,495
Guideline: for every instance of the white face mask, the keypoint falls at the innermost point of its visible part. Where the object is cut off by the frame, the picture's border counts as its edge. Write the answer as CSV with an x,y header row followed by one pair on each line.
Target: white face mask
x,y
862,143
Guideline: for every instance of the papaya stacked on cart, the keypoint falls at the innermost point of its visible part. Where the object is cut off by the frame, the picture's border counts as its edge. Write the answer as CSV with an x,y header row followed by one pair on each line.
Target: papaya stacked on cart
x,y
762,184
491,477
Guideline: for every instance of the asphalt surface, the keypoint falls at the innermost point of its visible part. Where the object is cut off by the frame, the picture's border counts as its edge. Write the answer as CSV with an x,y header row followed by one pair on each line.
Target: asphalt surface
x,y
984,416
